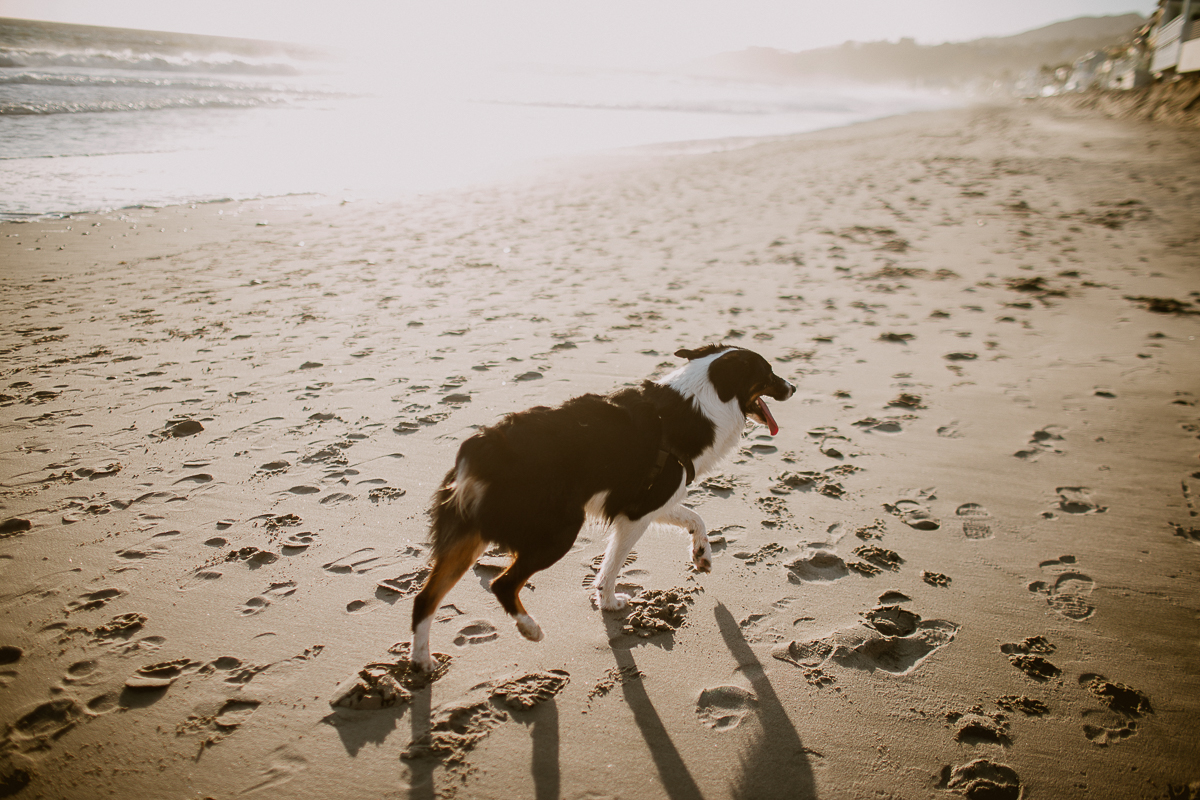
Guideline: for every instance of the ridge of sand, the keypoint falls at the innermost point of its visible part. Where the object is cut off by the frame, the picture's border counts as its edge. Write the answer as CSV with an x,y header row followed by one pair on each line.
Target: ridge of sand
x,y
968,564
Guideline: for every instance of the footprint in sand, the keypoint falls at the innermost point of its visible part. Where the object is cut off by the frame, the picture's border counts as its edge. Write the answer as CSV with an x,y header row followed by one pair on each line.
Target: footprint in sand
x,y
977,727
768,626
477,632
975,523
235,712
982,780
222,664
723,708
377,686
1188,497
1117,696
1031,644
297,543
388,591
1078,500
236,672
1043,441
912,511
358,562
767,553
950,430
143,551
274,468
458,726
816,565
1124,704
1069,591
1188,534
83,673
1035,667
1026,705
385,493
272,677
200,577
892,620
1102,731
103,704
93,600
259,603
454,730
161,675
406,427
658,611
877,558
529,690
589,580
38,727
146,644
407,583
890,639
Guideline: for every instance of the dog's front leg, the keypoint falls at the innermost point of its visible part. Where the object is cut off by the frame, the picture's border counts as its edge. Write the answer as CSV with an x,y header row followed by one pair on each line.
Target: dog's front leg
x,y
688,519
625,534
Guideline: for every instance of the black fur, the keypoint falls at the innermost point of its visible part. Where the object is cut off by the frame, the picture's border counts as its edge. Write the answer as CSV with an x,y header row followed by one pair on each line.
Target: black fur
x,y
541,466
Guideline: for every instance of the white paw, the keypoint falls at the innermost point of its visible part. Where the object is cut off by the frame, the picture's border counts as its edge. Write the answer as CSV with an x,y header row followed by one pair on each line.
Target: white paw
x,y
529,628
422,659
615,602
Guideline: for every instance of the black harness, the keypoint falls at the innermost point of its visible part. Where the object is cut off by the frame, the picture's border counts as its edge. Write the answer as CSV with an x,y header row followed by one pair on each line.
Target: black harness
x,y
665,455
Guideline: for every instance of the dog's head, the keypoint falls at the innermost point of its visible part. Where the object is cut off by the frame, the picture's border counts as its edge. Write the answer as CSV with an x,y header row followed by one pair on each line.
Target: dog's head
x,y
744,374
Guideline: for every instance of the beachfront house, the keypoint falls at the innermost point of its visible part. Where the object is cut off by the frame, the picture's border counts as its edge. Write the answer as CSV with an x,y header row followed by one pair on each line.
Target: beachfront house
x,y
1176,38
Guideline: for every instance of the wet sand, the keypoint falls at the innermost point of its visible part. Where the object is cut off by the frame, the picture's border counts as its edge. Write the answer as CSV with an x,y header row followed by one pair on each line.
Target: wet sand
x,y
967,564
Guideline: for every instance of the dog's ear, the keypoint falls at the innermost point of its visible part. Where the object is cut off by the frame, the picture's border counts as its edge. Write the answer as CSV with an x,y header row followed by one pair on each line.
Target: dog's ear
x,y
700,352
737,373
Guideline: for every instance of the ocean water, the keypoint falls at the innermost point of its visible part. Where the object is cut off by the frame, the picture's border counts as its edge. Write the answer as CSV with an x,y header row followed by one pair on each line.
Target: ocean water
x,y
95,119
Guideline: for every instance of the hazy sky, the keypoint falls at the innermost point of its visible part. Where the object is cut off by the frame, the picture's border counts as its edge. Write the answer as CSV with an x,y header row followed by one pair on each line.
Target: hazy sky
x,y
641,33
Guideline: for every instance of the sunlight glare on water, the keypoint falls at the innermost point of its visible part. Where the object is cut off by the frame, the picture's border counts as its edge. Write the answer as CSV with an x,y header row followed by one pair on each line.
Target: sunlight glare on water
x,y
96,129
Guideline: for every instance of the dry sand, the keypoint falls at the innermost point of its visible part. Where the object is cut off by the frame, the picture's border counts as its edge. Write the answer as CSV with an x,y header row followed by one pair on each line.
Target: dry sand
x,y
968,563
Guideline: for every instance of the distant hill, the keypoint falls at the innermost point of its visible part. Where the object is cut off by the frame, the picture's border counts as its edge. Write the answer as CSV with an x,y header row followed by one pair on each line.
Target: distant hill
x,y
949,64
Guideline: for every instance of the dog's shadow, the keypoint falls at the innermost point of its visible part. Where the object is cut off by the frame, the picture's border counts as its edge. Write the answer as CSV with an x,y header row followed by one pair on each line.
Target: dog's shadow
x,y
773,764
357,729
676,779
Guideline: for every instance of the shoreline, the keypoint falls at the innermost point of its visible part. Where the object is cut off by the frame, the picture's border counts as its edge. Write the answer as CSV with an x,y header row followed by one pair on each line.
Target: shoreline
x,y
969,555
450,175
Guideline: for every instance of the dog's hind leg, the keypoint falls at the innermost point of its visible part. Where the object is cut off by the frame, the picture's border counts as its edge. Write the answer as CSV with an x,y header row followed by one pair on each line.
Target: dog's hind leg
x,y
447,570
690,520
507,587
625,534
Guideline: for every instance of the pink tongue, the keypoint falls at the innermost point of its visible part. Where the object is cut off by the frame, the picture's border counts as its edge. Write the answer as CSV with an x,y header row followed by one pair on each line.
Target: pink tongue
x,y
766,414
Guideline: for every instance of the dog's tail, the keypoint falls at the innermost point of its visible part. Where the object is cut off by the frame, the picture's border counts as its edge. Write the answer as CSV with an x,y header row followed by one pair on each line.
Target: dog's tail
x,y
456,504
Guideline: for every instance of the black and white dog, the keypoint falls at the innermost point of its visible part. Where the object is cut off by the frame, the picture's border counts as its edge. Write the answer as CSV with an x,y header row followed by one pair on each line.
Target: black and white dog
x,y
529,482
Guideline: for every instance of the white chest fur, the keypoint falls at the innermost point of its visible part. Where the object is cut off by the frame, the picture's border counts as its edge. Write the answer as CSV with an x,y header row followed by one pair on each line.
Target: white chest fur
x,y
691,380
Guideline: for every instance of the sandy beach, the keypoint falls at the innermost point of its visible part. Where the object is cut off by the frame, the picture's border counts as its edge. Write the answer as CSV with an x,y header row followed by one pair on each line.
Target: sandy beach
x,y
968,565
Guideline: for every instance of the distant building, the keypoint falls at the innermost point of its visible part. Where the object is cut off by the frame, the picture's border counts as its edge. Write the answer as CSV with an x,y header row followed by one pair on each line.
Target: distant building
x,y
1176,37
1084,72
